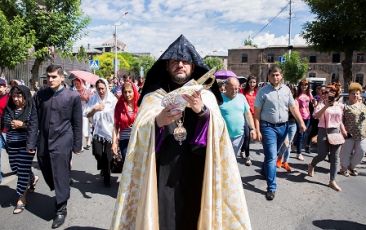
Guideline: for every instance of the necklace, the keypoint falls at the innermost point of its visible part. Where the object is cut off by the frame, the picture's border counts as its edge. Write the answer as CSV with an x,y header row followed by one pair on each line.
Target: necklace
x,y
180,133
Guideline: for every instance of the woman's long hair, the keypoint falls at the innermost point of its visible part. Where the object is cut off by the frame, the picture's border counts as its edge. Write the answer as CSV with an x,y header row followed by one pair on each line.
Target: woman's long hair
x,y
121,116
247,85
299,91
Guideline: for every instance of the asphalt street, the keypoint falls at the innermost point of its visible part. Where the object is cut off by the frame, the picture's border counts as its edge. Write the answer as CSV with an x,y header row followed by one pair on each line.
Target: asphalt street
x,y
301,202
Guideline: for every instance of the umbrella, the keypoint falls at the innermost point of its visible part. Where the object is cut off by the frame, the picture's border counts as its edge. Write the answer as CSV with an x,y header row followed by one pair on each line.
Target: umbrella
x,y
223,74
84,75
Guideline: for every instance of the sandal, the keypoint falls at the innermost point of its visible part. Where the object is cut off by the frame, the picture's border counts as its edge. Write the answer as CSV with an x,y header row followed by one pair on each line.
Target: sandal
x,y
344,173
32,187
19,208
354,172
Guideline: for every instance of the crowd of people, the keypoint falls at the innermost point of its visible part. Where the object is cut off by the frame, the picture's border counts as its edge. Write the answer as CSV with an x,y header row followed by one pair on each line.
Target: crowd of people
x,y
179,162
291,116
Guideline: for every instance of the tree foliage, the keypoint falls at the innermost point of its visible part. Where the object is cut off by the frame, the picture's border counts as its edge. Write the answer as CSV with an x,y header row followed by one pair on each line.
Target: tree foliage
x,y
294,68
340,26
212,62
249,42
145,62
15,44
56,24
128,63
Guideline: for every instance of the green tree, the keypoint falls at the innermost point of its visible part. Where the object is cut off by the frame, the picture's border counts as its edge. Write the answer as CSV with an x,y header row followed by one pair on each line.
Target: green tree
x,y
212,62
145,62
294,68
106,60
15,45
57,24
82,55
249,42
339,26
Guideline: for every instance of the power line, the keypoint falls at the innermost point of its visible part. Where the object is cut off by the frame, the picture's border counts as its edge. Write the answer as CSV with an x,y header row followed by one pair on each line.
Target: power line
x,y
270,21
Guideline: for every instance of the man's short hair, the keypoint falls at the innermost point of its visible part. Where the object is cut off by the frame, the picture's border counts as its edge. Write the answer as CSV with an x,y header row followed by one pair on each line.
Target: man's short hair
x,y
52,68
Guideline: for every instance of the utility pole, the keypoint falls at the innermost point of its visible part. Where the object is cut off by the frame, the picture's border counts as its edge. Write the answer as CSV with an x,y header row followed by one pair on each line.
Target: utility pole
x,y
115,51
289,30
116,44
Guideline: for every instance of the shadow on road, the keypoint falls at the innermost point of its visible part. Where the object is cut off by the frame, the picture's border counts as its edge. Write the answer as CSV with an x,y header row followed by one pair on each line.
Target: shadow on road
x,y
7,197
38,204
41,205
87,182
339,224
83,228
249,186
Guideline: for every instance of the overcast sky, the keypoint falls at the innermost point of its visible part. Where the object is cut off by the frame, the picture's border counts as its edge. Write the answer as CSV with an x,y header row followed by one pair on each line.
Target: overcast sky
x,y
212,26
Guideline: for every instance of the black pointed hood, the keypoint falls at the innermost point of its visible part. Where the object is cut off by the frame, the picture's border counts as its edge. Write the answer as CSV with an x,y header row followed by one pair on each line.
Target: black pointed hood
x,y
181,49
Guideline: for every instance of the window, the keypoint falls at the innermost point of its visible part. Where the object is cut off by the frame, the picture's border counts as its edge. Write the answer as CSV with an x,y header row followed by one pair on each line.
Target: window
x,y
360,58
270,58
336,58
244,58
334,78
312,59
359,78
312,74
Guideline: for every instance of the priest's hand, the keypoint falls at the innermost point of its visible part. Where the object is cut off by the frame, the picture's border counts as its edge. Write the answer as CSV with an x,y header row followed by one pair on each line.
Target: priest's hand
x,y
168,115
194,101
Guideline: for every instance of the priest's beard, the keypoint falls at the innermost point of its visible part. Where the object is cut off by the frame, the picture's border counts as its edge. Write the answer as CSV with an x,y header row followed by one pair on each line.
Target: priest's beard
x,y
180,79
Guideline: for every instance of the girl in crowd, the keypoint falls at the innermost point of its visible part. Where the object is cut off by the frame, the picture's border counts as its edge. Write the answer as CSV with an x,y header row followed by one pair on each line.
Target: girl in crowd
x,y
101,109
85,94
354,121
304,98
250,92
16,117
330,114
284,152
313,128
124,116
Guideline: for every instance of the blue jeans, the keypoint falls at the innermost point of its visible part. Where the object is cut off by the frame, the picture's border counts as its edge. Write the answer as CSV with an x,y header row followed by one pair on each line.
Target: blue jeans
x,y
272,137
301,136
2,144
285,149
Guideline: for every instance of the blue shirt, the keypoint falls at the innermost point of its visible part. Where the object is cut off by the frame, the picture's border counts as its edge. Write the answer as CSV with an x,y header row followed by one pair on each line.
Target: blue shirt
x,y
233,110
274,103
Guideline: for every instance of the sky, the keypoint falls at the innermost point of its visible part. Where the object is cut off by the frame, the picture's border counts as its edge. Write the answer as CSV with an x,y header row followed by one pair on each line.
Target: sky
x,y
212,26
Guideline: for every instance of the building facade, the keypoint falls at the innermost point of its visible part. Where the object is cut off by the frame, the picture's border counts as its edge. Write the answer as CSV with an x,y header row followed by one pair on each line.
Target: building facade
x,y
256,61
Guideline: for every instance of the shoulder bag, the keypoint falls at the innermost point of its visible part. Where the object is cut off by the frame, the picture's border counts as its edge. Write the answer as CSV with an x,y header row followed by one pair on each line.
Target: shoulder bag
x,y
334,138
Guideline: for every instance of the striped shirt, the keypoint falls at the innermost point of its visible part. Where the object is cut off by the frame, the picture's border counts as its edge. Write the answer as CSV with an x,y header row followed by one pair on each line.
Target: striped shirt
x,y
125,134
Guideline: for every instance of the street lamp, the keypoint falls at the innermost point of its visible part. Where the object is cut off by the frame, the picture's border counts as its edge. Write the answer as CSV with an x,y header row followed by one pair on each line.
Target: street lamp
x,y
115,45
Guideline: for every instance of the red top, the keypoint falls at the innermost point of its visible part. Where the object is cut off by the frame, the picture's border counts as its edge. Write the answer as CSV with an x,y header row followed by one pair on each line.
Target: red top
x,y
3,102
251,99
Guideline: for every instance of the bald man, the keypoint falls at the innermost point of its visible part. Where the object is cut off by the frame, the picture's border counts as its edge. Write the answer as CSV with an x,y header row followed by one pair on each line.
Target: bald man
x,y
235,111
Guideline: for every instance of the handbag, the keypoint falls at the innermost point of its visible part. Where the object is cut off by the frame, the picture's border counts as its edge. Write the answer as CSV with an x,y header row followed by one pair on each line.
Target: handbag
x,y
117,164
334,138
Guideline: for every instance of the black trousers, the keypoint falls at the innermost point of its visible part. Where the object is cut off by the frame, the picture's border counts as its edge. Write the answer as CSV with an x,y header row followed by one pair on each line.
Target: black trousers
x,y
102,151
55,167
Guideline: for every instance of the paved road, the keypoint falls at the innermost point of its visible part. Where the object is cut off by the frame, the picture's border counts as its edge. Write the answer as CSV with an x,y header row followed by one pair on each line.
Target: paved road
x,y
301,202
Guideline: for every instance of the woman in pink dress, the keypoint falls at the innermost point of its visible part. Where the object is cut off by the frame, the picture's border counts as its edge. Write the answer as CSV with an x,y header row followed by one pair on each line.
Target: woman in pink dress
x,y
304,98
